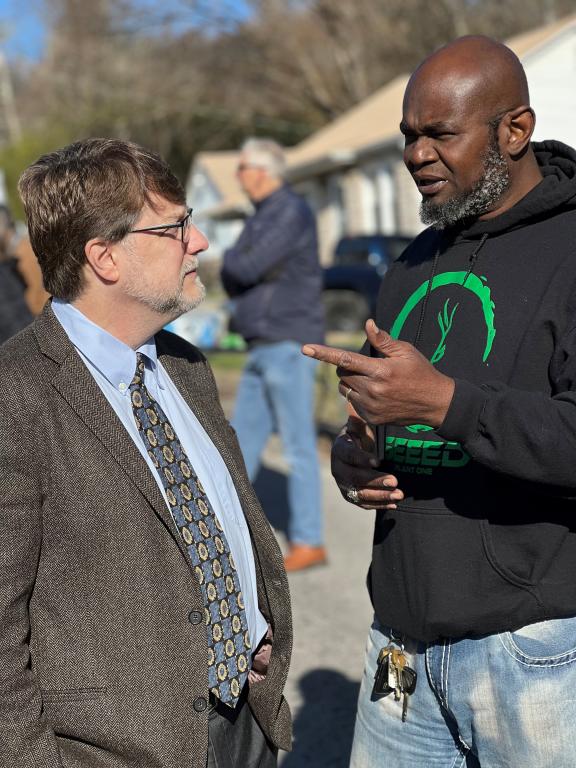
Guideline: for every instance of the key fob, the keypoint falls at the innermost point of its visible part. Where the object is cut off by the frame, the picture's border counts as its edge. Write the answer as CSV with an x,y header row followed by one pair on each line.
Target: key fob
x,y
409,678
381,687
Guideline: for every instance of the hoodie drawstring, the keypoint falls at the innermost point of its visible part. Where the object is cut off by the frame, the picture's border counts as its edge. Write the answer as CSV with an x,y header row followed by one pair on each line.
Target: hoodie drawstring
x,y
474,256
424,307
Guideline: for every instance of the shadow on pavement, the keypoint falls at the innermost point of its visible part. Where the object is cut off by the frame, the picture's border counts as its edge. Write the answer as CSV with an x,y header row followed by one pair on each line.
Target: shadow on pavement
x,y
324,726
272,490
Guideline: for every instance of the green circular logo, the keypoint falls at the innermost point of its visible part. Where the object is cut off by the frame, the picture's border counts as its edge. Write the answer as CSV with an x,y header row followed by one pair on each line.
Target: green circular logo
x,y
477,286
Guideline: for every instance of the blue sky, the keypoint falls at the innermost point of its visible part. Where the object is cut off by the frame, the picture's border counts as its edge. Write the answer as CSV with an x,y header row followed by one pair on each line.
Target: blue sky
x,y
22,28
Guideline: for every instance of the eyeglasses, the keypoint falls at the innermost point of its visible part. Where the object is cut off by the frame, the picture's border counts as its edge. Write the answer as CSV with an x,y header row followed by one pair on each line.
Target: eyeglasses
x,y
182,225
246,166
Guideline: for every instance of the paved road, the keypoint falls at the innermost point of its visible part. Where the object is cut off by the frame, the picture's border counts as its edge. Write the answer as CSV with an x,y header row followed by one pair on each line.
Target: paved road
x,y
331,618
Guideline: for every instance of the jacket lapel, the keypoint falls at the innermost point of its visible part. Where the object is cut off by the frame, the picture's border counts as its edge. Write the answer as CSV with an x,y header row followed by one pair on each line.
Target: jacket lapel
x,y
75,384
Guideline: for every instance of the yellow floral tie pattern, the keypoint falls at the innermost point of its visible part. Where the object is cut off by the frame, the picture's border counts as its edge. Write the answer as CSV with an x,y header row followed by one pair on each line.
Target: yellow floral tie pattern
x,y
206,544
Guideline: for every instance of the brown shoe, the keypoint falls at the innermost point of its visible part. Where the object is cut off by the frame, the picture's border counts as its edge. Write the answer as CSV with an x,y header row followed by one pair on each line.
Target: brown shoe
x,y
302,556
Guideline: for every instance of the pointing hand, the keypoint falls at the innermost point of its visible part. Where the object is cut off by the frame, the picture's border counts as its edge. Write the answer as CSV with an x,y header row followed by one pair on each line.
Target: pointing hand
x,y
401,387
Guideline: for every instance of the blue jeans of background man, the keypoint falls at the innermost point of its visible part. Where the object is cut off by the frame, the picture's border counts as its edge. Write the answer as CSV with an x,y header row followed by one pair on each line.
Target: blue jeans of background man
x,y
500,701
276,393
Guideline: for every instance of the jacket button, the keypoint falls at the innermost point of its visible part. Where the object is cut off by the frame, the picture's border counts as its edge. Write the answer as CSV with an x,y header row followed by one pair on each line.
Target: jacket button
x,y
200,704
195,617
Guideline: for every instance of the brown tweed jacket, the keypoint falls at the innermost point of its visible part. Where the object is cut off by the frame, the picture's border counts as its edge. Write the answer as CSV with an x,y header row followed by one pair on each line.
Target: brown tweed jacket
x,y
100,666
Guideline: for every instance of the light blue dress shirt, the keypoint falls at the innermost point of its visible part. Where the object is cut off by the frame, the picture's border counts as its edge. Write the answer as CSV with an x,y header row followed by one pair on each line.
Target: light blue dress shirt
x,y
112,364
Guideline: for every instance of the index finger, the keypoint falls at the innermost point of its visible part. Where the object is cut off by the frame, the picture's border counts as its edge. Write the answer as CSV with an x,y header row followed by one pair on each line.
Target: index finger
x,y
343,358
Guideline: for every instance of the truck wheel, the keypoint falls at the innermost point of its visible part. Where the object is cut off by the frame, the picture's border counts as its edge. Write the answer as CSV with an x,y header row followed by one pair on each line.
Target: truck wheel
x,y
346,311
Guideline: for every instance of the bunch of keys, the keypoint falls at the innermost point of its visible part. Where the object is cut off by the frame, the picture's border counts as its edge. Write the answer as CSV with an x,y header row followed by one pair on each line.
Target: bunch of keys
x,y
393,675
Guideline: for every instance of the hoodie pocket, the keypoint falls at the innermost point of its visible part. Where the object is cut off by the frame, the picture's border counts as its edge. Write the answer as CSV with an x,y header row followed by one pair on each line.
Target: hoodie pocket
x,y
496,560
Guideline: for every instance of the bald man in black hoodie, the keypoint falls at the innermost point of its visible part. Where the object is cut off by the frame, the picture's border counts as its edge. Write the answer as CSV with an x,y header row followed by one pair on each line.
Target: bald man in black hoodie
x,y
462,435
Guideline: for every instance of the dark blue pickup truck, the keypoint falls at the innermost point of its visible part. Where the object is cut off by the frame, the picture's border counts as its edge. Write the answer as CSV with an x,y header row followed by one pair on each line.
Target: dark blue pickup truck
x,y
351,284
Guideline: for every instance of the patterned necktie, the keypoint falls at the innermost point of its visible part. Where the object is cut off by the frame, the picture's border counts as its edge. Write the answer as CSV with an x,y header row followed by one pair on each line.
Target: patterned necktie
x,y
206,544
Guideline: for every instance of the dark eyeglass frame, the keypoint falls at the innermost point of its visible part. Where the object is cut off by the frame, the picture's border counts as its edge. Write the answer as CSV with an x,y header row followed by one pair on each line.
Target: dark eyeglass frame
x,y
182,225
247,166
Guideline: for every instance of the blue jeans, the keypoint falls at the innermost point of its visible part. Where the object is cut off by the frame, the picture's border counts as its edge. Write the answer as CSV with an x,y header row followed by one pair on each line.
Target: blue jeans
x,y
501,701
276,393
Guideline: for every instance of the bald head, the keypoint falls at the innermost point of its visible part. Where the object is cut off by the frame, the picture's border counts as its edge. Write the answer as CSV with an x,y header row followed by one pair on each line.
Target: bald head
x,y
467,124
485,74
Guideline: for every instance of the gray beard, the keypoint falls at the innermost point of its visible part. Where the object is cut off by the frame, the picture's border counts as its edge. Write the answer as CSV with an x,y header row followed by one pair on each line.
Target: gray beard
x,y
174,306
170,305
487,192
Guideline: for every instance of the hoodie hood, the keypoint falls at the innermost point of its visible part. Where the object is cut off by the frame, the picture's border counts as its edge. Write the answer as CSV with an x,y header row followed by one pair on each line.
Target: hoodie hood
x,y
556,191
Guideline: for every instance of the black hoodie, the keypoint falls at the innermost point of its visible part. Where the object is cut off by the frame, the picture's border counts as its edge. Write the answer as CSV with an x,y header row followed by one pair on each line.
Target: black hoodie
x,y
485,538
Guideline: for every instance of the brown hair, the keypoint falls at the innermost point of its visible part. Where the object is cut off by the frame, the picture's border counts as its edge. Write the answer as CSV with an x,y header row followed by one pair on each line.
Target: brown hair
x,y
92,188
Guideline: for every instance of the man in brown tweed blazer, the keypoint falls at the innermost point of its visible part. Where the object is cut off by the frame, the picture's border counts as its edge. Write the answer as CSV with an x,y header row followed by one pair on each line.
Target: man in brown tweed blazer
x,y
104,648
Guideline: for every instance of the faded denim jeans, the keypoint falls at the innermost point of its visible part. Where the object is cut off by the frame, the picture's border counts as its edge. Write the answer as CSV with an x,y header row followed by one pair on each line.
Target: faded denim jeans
x,y
500,701
276,394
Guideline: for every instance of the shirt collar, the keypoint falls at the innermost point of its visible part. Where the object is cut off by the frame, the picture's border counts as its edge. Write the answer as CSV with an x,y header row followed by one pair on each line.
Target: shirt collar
x,y
276,195
115,360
